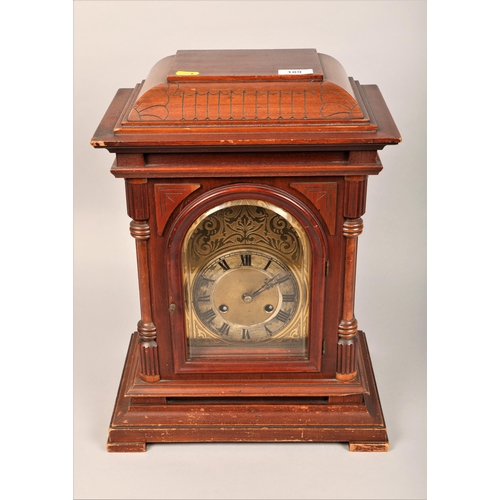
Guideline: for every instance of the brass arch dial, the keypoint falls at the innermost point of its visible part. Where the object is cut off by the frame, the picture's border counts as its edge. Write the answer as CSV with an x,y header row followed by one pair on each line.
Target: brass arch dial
x,y
247,268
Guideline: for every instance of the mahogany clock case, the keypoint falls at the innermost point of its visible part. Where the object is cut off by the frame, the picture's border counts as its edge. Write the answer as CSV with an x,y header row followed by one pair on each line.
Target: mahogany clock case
x,y
226,328
388,300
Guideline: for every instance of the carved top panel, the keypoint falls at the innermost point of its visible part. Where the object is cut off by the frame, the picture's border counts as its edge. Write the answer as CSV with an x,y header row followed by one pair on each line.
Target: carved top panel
x,y
244,88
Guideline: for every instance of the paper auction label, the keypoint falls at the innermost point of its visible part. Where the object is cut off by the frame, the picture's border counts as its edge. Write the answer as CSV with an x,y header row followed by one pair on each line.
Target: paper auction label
x,y
295,72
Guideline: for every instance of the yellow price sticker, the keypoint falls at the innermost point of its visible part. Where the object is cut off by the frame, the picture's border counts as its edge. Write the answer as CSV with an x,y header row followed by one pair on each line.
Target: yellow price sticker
x,y
184,73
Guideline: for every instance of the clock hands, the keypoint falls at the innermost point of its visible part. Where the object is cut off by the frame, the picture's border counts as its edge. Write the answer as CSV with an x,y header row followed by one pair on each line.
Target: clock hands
x,y
276,280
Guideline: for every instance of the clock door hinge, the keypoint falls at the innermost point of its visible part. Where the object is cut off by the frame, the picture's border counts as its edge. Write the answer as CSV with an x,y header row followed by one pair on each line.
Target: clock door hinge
x,y
327,267
323,347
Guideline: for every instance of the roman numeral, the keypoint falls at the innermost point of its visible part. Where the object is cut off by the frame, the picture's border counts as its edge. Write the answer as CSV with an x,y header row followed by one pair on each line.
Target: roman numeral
x,y
205,298
246,259
269,332
208,316
222,263
224,329
267,265
245,334
283,316
289,298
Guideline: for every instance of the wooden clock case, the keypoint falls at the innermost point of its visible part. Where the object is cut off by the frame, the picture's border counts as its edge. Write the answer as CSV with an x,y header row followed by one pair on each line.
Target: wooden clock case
x,y
286,127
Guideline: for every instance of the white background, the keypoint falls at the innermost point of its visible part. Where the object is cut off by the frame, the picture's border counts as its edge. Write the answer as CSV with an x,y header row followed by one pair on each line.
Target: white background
x,y
55,444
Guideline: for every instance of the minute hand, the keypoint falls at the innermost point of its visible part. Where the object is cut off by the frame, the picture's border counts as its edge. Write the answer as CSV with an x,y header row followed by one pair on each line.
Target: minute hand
x,y
272,282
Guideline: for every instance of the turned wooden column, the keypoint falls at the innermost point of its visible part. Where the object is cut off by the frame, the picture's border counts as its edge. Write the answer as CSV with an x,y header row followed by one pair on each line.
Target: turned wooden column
x,y
138,211
353,209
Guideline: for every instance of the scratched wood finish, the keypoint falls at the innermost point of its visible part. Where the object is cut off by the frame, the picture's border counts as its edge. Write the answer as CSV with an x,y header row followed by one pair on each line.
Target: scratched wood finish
x,y
208,127
134,425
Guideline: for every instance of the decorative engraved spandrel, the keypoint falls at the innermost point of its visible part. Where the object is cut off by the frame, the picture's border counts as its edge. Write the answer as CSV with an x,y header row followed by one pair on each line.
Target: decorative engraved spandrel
x,y
239,225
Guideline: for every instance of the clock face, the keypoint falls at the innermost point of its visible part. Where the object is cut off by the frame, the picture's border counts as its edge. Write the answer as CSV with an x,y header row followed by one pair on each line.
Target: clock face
x,y
246,269
246,295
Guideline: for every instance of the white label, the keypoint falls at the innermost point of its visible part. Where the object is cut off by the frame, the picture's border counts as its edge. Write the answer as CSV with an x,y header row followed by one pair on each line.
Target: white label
x,y
295,72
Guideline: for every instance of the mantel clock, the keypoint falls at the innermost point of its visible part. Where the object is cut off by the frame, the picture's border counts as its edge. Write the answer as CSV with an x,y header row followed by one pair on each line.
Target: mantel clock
x,y
246,175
